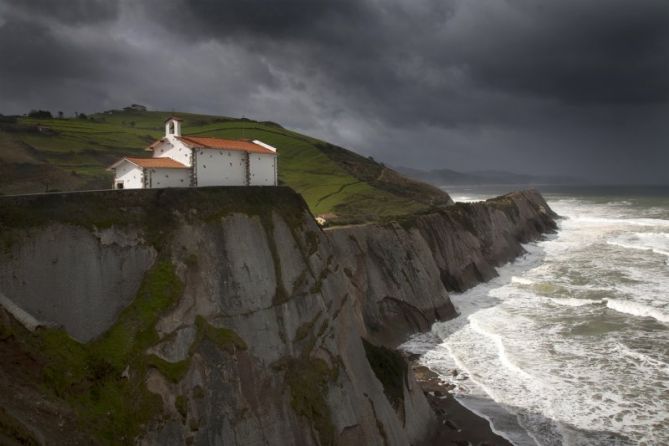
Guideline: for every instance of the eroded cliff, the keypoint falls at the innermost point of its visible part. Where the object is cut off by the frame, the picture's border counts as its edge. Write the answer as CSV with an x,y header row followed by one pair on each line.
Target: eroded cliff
x,y
402,272
227,316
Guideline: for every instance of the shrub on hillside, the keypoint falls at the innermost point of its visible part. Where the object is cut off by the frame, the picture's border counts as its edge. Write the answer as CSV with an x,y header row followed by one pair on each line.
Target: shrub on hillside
x,y
40,114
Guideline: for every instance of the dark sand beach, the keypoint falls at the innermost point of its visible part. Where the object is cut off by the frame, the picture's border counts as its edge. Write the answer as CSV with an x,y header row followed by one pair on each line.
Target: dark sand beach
x,y
460,425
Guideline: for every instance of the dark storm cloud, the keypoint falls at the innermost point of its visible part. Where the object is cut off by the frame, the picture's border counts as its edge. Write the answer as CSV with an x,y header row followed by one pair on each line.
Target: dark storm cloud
x,y
575,51
289,19
362,49
48,59
569,86
70,11
572,51
31,50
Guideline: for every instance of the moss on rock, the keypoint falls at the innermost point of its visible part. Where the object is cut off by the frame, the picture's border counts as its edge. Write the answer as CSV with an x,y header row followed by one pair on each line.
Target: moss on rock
x,y
308,380
104,380
173,371
181,405
224,338
307,328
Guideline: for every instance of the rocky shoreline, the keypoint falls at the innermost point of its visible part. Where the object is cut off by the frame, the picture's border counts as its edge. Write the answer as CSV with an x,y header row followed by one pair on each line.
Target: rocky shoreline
x,y
458,425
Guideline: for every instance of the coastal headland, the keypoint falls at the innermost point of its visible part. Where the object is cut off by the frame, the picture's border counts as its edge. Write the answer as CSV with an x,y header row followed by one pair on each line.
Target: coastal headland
x,y
227,315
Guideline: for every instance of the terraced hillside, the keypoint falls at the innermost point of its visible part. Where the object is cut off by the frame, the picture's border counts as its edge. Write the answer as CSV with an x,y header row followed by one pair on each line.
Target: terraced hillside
x,y
42,155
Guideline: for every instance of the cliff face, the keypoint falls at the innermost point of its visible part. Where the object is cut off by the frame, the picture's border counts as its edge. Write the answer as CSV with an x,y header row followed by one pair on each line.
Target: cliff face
x,y
401,273
469,240
226,316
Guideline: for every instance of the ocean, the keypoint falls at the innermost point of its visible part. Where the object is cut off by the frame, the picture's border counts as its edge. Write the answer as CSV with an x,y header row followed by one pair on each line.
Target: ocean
x,y
570,344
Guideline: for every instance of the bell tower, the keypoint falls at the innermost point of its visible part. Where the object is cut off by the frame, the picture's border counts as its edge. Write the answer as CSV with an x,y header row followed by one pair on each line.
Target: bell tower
x,y
173,126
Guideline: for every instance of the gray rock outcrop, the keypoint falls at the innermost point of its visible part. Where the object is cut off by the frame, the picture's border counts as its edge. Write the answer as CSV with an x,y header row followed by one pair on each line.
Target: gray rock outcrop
x,y
73,277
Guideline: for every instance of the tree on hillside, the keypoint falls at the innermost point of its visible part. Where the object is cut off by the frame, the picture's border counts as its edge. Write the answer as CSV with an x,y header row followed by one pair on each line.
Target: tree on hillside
x,y
40,114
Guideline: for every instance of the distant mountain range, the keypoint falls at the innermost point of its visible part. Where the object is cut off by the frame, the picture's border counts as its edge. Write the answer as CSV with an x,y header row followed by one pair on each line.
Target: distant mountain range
x,y
447,177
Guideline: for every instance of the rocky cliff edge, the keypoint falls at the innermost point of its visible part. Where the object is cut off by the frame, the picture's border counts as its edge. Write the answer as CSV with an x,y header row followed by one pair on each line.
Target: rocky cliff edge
x,y
227,316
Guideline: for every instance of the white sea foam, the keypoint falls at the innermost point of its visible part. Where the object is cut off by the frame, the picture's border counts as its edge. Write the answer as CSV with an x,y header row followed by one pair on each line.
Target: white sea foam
x,y
603,221
521,280
542,343
657,242
572,302
642,359
476,325
466,199
637,309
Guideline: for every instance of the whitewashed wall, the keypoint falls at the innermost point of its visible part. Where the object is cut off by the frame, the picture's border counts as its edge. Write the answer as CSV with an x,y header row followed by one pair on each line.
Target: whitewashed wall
x,y
220,168
175,149
130,175
263,170
161,178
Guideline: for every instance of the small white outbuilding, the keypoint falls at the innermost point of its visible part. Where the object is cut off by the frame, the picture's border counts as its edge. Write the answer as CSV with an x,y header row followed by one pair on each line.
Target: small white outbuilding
x,y
192,161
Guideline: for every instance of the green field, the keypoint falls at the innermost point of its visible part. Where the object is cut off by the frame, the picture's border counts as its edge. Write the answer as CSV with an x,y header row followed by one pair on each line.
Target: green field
x,y
43,155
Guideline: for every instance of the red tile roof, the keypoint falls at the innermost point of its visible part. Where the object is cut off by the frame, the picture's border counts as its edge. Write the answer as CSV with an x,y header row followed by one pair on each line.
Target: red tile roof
x,y
159,163
243,145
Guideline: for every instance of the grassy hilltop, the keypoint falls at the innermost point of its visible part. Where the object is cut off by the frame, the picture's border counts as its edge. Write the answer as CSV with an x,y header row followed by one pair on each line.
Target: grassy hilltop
x,y
38,155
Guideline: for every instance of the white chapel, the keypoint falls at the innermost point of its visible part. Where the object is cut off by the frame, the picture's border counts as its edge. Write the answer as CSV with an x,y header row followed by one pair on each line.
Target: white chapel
x,y
192,161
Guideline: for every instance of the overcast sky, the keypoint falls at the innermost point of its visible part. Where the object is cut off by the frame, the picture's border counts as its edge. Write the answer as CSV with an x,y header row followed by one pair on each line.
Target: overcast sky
x,y
577,87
